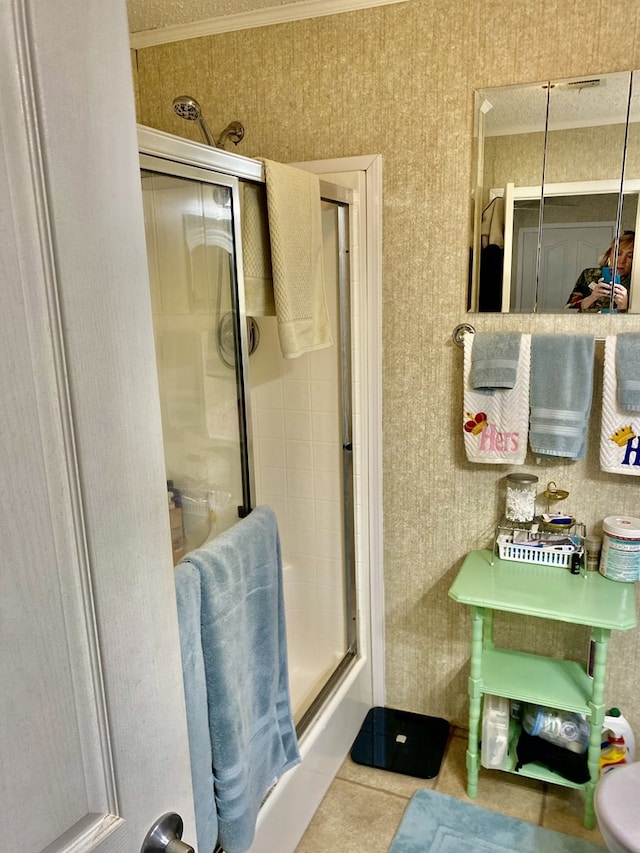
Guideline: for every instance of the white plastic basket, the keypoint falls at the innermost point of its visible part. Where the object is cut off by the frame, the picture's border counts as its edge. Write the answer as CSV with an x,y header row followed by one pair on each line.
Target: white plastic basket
x,y
521,552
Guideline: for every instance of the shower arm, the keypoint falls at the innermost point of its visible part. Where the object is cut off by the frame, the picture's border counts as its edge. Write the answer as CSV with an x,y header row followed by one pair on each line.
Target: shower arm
x,y
233,131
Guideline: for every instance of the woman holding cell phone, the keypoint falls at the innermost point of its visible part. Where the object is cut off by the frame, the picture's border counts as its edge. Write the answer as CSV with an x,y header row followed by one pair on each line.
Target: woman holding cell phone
x,y
594,289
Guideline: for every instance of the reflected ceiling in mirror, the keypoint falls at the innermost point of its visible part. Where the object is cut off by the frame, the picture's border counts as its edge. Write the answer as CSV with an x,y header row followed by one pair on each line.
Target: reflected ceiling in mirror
x,y
557,178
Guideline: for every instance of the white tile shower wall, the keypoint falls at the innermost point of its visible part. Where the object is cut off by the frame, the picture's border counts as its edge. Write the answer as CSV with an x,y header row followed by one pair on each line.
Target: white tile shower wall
x,y
297,455
296,433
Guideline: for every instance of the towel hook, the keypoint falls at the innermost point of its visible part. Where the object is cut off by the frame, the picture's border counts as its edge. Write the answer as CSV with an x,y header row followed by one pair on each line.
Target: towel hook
x,y
460,331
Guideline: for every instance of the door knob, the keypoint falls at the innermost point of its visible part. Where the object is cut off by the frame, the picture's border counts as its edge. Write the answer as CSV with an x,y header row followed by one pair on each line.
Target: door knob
x,y
165,836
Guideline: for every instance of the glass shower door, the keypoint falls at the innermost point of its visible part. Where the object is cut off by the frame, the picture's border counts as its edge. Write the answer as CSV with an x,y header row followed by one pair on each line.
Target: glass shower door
x,y
300,414
200,334
302,427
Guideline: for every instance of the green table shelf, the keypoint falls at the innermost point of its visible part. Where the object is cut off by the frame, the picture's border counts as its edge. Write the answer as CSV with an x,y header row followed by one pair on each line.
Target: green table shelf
x,y
486,584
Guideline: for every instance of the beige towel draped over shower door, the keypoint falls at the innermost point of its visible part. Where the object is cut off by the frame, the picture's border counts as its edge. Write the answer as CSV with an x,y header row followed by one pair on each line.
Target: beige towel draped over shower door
x,y
295,230
256,252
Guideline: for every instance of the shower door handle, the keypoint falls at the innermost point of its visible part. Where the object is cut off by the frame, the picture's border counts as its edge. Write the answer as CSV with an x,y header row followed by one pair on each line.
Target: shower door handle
x,y
165,836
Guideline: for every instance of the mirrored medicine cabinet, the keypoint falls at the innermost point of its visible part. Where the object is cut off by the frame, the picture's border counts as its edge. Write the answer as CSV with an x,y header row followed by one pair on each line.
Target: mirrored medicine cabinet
x,y
556,180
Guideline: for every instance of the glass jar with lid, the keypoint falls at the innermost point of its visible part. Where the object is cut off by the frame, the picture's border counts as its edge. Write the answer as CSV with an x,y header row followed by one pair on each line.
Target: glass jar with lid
x,y
521,497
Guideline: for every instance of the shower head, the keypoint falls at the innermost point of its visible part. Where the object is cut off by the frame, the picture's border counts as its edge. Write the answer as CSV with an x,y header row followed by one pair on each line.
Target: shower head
x,y
188,108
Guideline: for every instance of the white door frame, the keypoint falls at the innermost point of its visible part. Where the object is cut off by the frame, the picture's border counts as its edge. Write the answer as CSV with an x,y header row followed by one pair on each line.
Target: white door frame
x,y
369,238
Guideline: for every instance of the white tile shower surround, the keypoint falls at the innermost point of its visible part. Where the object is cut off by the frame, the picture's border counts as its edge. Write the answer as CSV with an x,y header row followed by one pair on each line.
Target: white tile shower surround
x,y
316,636
297,456
310,664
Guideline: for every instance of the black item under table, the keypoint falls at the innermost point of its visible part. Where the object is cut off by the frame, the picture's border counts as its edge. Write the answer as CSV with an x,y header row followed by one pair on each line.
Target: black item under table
x,y
402,742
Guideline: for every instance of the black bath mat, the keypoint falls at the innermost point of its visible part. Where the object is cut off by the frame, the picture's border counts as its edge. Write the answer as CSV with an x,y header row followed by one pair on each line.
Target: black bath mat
x,y
401,742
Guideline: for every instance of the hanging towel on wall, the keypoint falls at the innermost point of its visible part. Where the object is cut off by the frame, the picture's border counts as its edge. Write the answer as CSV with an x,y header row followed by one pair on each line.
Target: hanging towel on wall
x,y
495,424
561,394
256,252
295,230
492,224
251,728
628,371
620,431
187,580
494,361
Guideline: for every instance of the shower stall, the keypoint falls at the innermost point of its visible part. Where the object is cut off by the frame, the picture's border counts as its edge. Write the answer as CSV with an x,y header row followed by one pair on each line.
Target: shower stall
x,y
243,426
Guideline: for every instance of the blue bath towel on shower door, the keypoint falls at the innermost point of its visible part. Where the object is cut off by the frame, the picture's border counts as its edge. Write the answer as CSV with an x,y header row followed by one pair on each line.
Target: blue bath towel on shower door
x,y
253,737
188,596
560,393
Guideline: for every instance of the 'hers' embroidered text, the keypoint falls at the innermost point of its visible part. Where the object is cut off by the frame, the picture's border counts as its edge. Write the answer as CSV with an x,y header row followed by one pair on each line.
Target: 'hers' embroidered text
x,y
492,439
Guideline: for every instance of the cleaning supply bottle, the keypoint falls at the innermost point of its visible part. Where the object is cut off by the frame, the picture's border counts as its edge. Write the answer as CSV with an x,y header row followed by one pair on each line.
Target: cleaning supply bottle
x,y
613,754
615,722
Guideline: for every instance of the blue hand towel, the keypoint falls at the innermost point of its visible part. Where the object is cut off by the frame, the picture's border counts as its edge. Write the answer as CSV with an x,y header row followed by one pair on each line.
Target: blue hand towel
x,y
187,580
561,390
628,371
494,361
253,737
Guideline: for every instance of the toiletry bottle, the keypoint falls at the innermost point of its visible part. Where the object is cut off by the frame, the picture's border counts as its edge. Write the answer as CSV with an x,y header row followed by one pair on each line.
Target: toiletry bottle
x,y
177,494
177,531
613,754
593,545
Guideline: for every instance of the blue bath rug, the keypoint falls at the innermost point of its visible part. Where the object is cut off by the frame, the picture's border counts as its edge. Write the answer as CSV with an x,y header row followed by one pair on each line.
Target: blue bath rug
x,y
437,823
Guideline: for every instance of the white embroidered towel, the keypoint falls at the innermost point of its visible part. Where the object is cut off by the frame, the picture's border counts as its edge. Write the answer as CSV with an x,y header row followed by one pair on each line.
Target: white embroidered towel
x,y
619,435
495,426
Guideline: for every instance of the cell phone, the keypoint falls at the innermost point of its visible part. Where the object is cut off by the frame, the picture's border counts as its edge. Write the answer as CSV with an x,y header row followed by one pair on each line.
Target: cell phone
x,y
606,275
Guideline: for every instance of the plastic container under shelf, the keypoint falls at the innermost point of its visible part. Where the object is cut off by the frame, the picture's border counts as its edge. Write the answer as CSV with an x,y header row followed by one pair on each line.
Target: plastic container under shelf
x,y
494,752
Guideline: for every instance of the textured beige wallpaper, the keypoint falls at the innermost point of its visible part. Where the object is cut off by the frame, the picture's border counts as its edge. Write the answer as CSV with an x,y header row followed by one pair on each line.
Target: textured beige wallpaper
x,y
399,80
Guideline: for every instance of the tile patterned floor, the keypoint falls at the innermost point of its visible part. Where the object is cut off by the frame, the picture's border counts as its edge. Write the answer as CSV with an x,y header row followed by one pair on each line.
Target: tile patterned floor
x,y
363,807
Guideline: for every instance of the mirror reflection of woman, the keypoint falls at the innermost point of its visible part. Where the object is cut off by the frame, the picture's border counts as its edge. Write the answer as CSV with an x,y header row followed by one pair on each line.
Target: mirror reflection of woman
x,y
592,293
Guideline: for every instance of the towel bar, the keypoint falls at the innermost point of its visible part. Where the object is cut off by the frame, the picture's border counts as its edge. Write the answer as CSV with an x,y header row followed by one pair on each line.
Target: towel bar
x,y
466,328
460,331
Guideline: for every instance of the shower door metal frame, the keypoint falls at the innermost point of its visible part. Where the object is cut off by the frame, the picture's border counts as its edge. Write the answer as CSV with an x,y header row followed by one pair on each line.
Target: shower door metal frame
x,y
344,279
341,197
175,156
195,173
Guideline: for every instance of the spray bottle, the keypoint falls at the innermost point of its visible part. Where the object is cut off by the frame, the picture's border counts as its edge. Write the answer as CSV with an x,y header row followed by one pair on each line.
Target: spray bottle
x,y
613,754
615,723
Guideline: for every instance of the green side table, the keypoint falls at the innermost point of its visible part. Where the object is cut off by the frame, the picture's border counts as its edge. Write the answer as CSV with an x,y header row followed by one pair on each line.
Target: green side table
x,y
546,592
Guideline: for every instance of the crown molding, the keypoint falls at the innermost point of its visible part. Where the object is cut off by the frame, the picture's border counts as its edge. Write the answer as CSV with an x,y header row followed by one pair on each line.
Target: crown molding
x,y
296,11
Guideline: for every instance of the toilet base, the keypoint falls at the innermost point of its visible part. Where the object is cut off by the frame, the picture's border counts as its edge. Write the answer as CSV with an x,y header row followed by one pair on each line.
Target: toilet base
x,y
616,805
